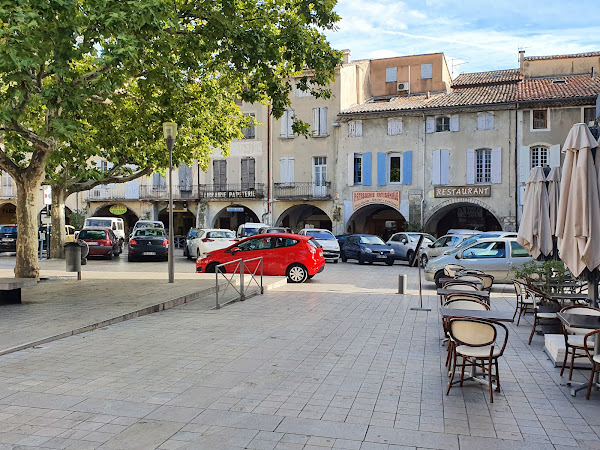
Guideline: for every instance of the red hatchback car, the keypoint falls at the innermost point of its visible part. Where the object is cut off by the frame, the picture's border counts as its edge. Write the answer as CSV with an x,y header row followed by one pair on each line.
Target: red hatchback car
x,y
297,257
101,241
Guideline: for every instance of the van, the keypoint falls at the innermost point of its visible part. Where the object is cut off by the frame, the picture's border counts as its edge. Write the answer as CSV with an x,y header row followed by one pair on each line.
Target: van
x,y
249,229
114,223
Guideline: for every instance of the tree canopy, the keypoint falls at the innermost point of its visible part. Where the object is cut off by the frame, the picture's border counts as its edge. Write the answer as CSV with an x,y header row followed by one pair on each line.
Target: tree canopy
x,y
83,77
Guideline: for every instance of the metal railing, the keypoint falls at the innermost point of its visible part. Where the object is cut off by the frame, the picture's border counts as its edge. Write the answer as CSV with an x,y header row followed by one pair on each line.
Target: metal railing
x,y
141,192
240,265
303,190
255,190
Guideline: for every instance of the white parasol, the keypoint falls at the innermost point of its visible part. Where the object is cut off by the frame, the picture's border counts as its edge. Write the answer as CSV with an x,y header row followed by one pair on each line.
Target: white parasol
x,y
535,234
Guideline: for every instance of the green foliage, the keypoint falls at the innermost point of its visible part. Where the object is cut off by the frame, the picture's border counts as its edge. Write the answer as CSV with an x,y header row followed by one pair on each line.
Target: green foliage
x,y
414,226
546,272
77,218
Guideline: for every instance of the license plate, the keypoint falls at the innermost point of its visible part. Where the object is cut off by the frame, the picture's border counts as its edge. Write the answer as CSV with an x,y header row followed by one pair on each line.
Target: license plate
x,y
8,240
149,253
92,243
381,256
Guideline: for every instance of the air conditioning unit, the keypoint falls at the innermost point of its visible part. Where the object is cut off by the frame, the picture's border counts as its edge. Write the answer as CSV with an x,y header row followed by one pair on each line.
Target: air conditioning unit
x,y
404,86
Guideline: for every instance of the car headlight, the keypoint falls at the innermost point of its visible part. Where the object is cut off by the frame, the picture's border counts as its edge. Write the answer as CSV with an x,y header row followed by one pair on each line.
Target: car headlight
x,y
368,250
391,251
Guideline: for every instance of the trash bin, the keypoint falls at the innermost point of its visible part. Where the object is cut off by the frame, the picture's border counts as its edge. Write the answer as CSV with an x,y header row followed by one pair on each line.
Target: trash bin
x,y
75,254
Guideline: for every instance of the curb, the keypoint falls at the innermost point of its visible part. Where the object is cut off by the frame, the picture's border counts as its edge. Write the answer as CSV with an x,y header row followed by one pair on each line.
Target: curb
x,y
168,304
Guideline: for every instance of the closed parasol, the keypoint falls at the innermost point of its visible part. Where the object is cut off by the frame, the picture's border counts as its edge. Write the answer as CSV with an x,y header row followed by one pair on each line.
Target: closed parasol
x,y
535,234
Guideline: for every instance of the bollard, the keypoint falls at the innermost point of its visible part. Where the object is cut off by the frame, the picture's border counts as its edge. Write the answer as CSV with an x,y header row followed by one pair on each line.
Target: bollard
x,y
402,283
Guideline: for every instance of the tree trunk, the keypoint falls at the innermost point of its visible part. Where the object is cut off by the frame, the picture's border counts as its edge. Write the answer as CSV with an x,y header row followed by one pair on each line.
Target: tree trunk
x,y
57,238
28,191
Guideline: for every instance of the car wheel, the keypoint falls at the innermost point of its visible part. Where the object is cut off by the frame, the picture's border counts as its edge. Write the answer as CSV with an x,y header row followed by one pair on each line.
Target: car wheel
x,y
361,259
424,260
344,257
297,273
212,267
335,261
110,254
390,262
186,253
410,256
130,257
439,274
116,255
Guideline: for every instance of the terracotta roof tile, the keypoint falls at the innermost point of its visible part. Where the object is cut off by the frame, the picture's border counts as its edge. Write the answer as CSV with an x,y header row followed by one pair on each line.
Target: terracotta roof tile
x,y
480,95
564,87
483,78
573,55
417,101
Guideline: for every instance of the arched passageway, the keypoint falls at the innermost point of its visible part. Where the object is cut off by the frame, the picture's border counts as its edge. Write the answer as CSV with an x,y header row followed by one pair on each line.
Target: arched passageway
x,y
462,215
304,216
378,219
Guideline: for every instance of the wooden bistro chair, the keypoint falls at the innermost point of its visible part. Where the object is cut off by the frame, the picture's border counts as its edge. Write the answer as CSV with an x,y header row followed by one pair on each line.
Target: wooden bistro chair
x,y
595,359
574,337
458,287
451,269
544,309
524,302
475,341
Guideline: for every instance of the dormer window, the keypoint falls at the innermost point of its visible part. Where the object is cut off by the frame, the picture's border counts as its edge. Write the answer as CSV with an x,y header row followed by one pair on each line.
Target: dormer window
x,y
559,82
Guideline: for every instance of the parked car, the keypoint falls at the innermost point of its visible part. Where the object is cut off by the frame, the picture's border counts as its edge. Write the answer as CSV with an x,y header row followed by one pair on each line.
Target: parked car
x,y
101,241
331,248
487,234
116,224
189,236
292,255
148,243
341,238
8,238
495,256
264,230
405,244
443,244
249,229
367,248
208,240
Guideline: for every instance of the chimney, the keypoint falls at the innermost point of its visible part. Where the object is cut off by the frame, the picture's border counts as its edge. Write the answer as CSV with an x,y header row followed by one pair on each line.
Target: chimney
x,y
522,61
346,57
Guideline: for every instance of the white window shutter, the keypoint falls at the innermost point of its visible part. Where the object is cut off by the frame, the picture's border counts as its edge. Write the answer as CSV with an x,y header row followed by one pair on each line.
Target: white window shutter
x,y
454,122
290,121
490,121
284,124
351,128
470,166
358,128
554,156
315,124
283,169
391,74
394,127
524,164
435,168
350,169
430,125
445,167
323,121
497,165
481,121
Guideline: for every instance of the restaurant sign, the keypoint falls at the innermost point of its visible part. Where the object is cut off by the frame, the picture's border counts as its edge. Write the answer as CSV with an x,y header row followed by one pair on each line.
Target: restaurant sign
x,y
462,191
390,198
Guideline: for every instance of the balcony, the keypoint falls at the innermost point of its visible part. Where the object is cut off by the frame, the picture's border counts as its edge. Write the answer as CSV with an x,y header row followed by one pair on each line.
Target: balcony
x,y
161,192
123,192
227,191
303,191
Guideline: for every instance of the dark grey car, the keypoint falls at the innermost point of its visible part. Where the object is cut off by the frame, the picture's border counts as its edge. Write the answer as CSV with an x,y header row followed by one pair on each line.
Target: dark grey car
x,y
148,243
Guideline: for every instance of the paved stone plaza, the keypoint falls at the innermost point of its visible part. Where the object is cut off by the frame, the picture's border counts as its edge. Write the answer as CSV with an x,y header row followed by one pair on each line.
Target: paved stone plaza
x,y
338,362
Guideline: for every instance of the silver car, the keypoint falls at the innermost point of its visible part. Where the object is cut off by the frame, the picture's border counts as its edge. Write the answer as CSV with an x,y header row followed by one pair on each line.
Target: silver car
x,y
495,256
442,245
405,244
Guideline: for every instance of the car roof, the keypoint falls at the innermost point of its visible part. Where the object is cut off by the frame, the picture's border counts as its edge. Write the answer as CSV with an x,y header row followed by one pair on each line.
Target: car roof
x,y
316,229
215,229
285,235
95,228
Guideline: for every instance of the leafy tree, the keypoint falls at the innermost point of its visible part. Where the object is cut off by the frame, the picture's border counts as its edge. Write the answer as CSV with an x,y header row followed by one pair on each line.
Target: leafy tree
x,y
62,59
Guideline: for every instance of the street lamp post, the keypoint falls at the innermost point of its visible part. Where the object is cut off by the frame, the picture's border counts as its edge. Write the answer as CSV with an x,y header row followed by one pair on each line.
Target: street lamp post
x,y
170,132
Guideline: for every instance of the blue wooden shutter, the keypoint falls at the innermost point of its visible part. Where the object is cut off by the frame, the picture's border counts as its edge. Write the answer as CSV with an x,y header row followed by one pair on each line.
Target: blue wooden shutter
x,y
366,175
381,177
407,167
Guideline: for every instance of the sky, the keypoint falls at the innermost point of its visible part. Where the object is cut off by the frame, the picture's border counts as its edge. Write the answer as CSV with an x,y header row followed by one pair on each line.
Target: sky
x,y
475,36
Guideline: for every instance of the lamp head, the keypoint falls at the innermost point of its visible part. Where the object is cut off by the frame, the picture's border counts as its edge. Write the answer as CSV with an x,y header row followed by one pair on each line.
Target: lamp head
x,y
170,130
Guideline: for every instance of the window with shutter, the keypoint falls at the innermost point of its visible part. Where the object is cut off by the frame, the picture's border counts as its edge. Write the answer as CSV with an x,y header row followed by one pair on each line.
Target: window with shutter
x,y
185,177
391,74
442,124
454,123
539,120
589,115
357,168
496,171
287,169
287,120
395,164
483,166
220,175
249,132
470,166
247,174
319,127
485,121
435,167
355,128
426,71
158,181
445,167
538,157
430,125
394,127
554,158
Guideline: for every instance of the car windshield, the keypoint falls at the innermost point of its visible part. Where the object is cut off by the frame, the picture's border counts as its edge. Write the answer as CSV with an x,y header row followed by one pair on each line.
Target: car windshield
x,y
220,234
150,232
314,243
427,238
469,241
149,225
250,231
6,229
98,223
92,234
371,240
192,233
324,235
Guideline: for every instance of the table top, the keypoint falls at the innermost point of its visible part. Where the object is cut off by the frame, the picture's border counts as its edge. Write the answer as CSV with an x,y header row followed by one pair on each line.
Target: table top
x,y
568,296
16,283
444,291
499,316
579,320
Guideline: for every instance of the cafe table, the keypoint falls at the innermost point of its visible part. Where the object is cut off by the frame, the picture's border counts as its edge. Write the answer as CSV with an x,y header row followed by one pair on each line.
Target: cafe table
x,y
569,297
498,316
556,287
484,295
582,321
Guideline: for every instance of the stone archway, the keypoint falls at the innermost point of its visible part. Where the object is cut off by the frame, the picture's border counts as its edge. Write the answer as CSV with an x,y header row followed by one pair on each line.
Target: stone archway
x,y
8,213
460,213
232,216
376,218
302,216
129,217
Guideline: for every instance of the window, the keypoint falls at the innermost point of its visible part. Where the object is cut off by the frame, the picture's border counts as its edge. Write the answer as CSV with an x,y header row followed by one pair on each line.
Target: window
x,y
299,93
320,121
589,115
539,157
220,174
259,243
287,120
486,250
103,166
185,178
485,121
426,71
394,127
539,119
395,163
248,132
284,242
247,173
355,128
391,74
286,164
516,251
483,166
442,123
441,242
357,169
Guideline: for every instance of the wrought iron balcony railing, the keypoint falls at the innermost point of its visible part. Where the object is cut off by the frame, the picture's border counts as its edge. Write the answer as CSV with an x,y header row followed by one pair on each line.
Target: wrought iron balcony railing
x,y
303,190
218,191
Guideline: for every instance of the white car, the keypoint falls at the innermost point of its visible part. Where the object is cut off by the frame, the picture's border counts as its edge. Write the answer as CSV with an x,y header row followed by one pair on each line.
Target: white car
x,y
208,240
331,248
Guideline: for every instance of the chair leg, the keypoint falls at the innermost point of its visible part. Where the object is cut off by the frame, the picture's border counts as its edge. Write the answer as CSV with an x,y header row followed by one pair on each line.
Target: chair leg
x,y
462,371
535,323
490,380
497,376
516,309
565,360
589,391
452,372
572,363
